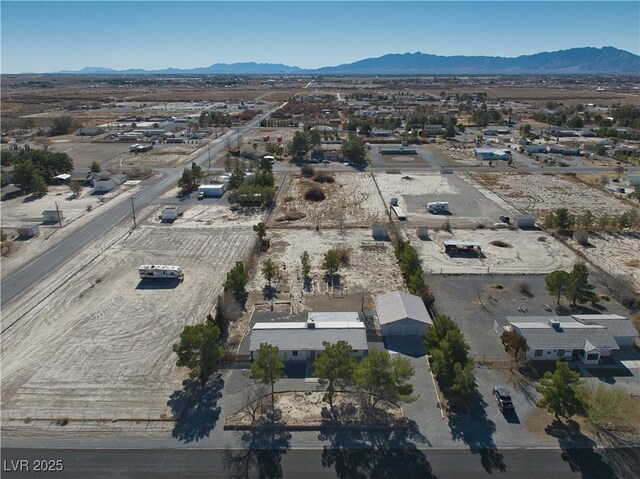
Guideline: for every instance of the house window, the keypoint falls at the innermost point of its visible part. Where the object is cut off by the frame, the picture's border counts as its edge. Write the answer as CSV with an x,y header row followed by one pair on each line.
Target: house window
x,y
295,353
538,352
560,352
354,351
548,352
592,356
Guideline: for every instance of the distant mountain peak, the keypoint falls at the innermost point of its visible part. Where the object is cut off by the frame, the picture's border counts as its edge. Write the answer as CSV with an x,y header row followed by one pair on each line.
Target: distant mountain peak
x,y
583,60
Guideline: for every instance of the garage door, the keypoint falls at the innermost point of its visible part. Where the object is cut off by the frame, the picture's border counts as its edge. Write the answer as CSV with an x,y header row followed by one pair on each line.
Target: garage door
x,y
403,330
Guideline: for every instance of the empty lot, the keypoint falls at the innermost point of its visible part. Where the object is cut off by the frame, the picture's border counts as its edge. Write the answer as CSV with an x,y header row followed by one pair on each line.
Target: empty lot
x,y
101,344
525,253
541,194
469,202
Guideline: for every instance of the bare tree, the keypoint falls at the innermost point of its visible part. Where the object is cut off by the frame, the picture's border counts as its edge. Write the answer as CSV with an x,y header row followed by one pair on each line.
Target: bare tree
x,y
255,401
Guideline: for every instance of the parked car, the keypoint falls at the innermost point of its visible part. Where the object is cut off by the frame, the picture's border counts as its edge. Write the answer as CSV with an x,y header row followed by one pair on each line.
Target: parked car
x,y
326,162
503,398
200,195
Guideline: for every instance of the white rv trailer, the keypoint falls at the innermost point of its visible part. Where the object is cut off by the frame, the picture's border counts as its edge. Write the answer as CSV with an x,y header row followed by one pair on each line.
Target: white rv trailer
x,y
438,207
160,271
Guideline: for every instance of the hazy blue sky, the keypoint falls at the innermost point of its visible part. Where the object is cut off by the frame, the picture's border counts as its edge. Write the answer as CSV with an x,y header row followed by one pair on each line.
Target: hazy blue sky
x,y
49,36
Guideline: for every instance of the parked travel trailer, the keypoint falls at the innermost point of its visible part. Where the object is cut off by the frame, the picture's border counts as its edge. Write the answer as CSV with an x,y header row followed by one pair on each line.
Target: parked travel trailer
x,y
160,271
438,207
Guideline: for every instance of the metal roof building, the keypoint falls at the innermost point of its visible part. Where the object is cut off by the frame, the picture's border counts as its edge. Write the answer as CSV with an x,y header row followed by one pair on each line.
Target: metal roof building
x,y
303,340
585,337
402,314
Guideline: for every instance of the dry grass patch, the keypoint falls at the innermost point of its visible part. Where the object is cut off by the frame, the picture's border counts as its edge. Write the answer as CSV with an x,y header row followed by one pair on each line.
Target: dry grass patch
x,y
315,193
633,263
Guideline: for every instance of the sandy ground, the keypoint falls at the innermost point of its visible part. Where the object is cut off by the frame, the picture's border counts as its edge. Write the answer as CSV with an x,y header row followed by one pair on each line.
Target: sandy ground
x,y
101,344
615,253
306,407
84,151
394,186
203,215
526,254
352,200
540,194
370,271
17,212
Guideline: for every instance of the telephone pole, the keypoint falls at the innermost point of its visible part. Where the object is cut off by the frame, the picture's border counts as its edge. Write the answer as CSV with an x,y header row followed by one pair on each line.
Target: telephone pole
x,y
58,214
133,213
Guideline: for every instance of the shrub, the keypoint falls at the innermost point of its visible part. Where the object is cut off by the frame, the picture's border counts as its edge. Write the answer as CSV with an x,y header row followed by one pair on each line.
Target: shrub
x,y
307,171
524,287
314,193
542,239
500,244
480,226
291,216
323,178
344,253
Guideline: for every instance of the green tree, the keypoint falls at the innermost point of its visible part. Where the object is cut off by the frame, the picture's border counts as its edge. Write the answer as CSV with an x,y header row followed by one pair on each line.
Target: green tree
x,y
23,174
299,145
558,390
525,130
269,270
261,230
62,125
558,283
561,220
200,349
449,132
464,381
305,262
237,278
75,187
334,367
187,181
268,368
95,167
575,122
331,262
354,149
314,139
379,377
579,289
38,185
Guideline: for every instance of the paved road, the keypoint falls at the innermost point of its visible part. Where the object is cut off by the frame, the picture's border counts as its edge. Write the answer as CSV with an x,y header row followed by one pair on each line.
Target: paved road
x,y
39,269
347,463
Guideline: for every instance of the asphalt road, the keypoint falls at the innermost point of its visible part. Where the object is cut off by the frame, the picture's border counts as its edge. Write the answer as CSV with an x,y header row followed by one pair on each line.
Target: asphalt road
x,y
39,269
309,463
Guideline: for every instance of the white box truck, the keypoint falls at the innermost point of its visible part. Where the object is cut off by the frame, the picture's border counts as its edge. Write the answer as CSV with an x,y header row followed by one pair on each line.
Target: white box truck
x,y
160,271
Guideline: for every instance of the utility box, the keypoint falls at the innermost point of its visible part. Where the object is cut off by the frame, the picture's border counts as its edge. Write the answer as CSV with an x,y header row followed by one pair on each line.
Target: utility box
x,y
28,231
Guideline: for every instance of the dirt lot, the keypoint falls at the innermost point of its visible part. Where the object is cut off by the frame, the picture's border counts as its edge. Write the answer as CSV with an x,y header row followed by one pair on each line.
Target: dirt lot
x,y
469,202
615,253
526,254
352,200
540,194
101,344
369,271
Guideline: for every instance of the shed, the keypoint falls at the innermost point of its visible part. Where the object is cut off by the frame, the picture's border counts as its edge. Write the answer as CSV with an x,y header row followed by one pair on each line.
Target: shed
x,y
119,178
28,231
170,213
52,216
525,221
212,191
103,185
422,232
61,178
10,191
402,314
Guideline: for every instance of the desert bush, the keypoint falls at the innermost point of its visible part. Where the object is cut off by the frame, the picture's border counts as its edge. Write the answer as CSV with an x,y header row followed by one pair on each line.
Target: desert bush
x,y
524,287
324,178
288,199
635,320
307,171
542,239
291,216
344,253
480,226
500,244
314,193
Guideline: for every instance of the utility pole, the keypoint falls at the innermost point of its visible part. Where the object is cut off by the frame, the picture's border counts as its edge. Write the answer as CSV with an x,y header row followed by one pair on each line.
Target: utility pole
x,y
209,167
133,213
58,213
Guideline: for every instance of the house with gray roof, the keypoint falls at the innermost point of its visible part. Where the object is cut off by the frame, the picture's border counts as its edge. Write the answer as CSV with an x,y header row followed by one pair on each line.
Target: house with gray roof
x,y
584,337
402,314
301,337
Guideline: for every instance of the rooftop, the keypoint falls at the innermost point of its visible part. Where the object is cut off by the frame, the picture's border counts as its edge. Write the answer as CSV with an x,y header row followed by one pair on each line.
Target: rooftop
x,y
399,305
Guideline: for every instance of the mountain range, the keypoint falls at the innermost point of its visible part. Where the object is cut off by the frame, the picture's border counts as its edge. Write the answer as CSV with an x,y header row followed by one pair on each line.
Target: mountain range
x,y
585,60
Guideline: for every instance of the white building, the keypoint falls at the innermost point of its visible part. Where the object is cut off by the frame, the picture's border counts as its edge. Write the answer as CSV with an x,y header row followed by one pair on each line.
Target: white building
x,y
170,213
585,337
103,185
491,154
302,339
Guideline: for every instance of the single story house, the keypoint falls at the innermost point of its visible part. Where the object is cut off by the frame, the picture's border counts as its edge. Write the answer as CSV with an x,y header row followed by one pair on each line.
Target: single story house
x,y
531,149
584,337
119,178
301,339
103,185
433,129
402,314
491,154
90,131
381,133
564,150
